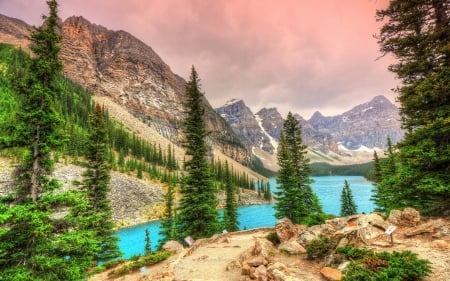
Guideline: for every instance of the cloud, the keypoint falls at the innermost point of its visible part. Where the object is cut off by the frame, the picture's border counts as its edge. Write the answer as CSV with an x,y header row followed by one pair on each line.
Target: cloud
x,y
299,56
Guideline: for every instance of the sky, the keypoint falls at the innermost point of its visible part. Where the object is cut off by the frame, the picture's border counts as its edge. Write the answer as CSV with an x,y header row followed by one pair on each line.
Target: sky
x,y
295,55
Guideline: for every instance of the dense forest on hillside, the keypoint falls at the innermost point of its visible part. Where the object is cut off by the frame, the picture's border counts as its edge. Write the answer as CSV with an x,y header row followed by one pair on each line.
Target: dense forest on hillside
x,y
127,152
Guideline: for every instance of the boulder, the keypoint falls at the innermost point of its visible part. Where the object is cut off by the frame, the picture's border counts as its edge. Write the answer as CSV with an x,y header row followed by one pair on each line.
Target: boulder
x,y
331,274
407,217
285,230
257,261
172,246
292,247
420,229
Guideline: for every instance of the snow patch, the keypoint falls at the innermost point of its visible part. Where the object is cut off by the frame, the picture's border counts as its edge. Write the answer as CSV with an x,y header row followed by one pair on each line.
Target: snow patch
x,y
231,102
272,140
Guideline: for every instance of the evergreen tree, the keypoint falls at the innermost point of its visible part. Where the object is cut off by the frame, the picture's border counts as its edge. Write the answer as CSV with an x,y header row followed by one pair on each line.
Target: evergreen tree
x,y
348,206
168,225
230,217
33,244
95,185
295,198
148,242
417,34
197,214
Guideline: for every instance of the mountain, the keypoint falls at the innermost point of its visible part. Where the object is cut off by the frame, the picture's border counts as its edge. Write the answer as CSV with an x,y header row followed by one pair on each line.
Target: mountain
x,y
245,124
131,81
263,129
368,124
343,139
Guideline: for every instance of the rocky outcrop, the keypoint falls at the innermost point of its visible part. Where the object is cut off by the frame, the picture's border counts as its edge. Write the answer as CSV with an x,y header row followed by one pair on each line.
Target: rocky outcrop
x,y
368,124
14,31
244,124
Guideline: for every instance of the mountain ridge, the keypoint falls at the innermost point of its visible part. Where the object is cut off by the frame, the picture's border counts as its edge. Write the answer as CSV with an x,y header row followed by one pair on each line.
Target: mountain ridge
x,y
117,65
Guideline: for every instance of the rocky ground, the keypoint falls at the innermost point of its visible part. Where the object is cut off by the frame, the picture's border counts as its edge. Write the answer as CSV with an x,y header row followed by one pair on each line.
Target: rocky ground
x,y
133,200
248,255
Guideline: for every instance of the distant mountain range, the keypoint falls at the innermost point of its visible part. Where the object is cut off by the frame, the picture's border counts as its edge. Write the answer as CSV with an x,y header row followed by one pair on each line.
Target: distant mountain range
x,y
362,129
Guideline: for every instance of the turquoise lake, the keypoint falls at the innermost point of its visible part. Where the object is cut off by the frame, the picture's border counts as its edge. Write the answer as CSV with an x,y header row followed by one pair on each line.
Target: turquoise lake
x,y
328,189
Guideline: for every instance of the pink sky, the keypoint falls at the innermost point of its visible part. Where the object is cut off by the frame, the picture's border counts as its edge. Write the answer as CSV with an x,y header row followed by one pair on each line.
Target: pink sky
x,y
296,55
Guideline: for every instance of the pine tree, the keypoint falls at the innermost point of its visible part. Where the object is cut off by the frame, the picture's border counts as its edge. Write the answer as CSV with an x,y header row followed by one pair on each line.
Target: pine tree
x,y
168,224
197,214
295,200
417,34
348,206
98,214
230,217
148,242
33,244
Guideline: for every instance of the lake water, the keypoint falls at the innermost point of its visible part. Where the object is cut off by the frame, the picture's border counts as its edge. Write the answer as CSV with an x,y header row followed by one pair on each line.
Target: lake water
x,y
328,189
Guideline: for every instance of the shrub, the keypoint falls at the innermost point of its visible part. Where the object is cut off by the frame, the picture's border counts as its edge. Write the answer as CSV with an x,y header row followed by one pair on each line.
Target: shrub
x,y
399,266
145,260
273,237
320,248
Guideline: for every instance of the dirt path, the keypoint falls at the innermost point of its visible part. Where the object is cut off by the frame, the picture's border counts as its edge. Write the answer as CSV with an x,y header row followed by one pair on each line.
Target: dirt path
x,y
210,260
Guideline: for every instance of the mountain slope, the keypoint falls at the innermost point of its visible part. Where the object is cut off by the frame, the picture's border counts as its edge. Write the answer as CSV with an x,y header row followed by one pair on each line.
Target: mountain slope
x,y
368,124
126,72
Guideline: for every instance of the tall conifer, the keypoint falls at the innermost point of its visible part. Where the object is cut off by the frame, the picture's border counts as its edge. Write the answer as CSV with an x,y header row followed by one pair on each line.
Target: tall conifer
x,y
34,245
197,213
295,198
230,216
98,213
417,34
348,206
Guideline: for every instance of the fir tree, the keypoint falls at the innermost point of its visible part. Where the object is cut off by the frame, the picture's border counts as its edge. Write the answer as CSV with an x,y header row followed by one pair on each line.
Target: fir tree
x,y
197,214
33,244
230,213
96,187
148,242
168,225
417,34
348,206
295,200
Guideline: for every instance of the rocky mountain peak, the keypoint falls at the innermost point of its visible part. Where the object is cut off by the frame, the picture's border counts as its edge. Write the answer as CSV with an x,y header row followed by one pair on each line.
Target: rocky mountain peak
x,y
271,121
368,124
245,124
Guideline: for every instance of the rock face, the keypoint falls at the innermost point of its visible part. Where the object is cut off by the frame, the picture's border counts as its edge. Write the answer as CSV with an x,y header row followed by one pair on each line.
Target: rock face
x,y
368,124
118,65
14,31
245,124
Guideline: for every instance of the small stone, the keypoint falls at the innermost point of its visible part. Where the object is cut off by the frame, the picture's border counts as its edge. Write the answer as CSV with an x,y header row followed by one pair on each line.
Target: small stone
x,y
331,274
440,244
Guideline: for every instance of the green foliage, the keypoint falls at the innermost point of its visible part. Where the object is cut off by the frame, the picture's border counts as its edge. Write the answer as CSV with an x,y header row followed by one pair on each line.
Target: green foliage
x,y
148,242
295,198
325,169
96,214
416,33
369,265
197,213
348,206
145,260
321,247
273,237
230,217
